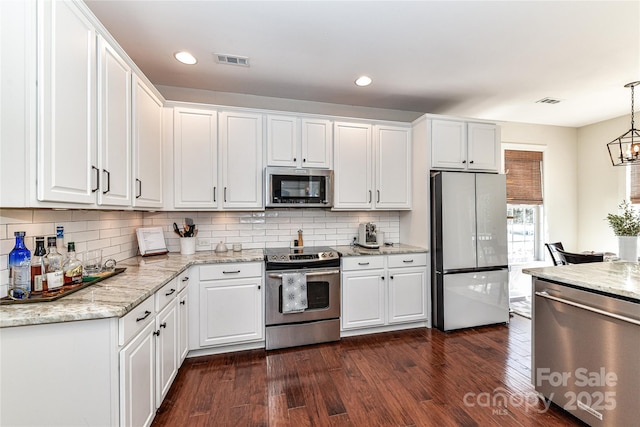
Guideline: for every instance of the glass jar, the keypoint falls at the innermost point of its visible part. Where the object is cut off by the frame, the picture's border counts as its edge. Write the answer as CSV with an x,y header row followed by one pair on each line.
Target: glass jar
x,y
72,267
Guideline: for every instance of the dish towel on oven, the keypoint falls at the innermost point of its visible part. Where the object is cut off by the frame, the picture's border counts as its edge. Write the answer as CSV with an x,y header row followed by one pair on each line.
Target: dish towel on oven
x,y
294,292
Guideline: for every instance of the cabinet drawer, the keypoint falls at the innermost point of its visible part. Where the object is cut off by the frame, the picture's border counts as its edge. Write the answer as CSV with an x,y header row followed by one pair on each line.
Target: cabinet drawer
x,y
134,321
166,293
407,260
362,262
183,279
230,271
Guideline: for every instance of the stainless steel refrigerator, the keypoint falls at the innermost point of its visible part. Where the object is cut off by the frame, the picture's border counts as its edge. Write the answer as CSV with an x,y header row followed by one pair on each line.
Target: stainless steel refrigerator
x,y
470,277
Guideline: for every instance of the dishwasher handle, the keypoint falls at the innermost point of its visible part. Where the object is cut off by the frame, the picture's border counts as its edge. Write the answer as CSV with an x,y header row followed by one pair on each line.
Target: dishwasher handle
x,y
546,295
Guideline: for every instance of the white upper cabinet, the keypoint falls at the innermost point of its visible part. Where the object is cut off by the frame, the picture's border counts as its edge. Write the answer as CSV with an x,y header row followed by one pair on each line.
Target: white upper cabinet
x,y
483,146
465,146
195,157
147,146
66,128
241,160
114,127
353,166
372,167
300,143
393,167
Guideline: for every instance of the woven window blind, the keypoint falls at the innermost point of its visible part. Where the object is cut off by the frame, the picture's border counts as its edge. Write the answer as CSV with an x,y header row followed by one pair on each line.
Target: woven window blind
x,y
635,184
524,177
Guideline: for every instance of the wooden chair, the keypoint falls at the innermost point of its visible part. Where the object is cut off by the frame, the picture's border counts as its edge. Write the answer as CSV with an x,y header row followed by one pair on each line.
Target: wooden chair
x,y
553,251
573,258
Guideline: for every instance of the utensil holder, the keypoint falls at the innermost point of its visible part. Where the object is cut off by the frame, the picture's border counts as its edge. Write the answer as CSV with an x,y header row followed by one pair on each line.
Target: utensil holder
x,y
187,245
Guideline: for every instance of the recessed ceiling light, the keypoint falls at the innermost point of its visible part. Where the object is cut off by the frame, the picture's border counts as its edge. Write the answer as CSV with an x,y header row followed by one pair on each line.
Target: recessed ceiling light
x,y
363,81
185,58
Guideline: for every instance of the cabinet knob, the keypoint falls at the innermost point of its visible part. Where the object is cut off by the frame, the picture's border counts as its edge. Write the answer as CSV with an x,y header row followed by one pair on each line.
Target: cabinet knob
x,y
295,159
391,277
182,302
304,160
382,277
464,161
470,161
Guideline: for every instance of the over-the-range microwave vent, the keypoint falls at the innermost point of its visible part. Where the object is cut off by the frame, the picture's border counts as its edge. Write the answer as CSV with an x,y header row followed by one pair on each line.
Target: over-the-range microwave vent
x,y
223,58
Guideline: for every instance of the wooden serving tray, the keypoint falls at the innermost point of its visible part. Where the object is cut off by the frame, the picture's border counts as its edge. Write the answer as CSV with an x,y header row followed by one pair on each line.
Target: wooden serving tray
x,y
86,281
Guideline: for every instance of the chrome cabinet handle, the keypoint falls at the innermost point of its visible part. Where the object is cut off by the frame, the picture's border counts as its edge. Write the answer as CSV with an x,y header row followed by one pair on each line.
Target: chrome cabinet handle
x,y
146,314
544,294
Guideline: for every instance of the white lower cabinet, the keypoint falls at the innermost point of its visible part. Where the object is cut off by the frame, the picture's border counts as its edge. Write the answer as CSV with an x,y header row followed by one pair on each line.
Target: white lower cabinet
x,y
231,304
183,325
153,335
137,379
384,290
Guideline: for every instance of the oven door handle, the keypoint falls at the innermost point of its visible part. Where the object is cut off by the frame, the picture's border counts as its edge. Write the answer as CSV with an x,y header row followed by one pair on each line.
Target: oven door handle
x,y
310,274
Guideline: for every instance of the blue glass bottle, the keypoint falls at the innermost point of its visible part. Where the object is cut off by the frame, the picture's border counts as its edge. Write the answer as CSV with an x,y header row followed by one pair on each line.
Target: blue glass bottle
x,y
19,269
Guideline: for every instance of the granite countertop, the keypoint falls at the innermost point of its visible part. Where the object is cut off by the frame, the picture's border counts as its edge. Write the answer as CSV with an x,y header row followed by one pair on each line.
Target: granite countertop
x,y
347,251
117,295
614,278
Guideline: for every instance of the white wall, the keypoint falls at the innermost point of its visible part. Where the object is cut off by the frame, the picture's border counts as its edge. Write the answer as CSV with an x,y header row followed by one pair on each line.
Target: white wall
x,y
560,182
601,186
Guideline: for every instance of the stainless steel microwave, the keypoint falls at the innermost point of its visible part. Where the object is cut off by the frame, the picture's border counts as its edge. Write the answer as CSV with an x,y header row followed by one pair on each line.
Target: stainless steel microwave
x,y
298,188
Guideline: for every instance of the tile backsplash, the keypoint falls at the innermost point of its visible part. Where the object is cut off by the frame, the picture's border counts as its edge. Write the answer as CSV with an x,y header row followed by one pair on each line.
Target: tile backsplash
x,y
115,231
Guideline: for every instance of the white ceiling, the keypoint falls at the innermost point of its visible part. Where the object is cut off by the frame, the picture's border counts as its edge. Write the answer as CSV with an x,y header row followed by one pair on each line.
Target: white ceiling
x,y
480,59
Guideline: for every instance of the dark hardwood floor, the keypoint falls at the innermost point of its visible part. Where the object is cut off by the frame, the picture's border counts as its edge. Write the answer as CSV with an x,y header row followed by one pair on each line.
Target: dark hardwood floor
x,y
421,377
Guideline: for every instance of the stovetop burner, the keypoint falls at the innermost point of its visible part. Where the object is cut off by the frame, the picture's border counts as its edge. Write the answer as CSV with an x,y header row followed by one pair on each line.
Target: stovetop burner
x,y
305,257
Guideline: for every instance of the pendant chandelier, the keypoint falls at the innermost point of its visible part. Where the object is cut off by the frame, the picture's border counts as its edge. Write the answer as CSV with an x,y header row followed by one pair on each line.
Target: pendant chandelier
x,y
625,149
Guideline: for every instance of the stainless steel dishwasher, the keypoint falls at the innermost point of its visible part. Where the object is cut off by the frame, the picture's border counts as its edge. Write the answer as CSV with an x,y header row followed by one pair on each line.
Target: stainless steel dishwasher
x,y
586,353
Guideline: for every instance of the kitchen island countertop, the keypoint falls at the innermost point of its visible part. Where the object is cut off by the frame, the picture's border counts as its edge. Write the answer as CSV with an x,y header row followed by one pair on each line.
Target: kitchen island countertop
x,y
117,295
619,278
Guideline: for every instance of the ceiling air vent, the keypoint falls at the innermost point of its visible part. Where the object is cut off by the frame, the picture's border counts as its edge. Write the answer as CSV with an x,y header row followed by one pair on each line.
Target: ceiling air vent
x,y
231,59
548,101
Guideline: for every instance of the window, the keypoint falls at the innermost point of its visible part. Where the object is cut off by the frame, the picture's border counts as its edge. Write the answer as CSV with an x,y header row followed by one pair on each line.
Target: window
x,y
524,205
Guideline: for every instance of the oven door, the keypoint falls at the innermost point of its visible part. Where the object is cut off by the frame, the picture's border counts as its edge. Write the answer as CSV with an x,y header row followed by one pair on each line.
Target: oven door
x,y
323,296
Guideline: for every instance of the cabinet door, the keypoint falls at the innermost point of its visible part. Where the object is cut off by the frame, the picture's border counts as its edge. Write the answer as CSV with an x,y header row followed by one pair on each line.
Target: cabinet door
x,y
66,114
241,139
393,167
317,143
231,311
407,294
114,127
183,325
147,146
352,166
195,157
282,141
448,144
166,350
137,380
483,146
363,299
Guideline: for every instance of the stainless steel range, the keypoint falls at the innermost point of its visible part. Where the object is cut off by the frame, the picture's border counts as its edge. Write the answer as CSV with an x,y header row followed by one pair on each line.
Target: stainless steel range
x,y
302,296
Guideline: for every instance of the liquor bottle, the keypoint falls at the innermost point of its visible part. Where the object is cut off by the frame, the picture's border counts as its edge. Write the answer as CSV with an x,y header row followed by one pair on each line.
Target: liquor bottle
x,y
37,269
60,240
19,268
53,268
72,267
